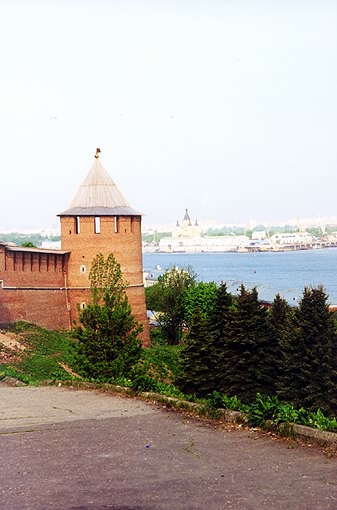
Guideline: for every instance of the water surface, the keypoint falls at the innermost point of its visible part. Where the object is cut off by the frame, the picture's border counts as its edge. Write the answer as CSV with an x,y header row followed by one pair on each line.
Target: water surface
x,y
286,273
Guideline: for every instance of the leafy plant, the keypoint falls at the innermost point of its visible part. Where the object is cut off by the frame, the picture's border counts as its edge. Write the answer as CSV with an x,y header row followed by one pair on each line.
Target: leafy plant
x,y
234,404
269,408
157,337
143,382
171,391
264,408
167,297
286,412
319,421
9,371
219,400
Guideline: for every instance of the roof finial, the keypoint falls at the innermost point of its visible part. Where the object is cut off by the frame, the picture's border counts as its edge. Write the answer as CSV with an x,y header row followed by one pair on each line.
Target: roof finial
x,y
98,150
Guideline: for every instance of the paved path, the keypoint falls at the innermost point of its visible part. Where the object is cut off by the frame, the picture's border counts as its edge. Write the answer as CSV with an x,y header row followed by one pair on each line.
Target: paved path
x,y
77,450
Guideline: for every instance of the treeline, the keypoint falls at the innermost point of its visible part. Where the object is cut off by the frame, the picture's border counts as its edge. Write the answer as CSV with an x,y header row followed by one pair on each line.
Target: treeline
x,y
239,346
33,239
242,348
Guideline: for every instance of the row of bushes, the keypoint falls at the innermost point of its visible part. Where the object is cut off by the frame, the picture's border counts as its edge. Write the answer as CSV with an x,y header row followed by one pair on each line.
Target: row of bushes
x,y
243,348
265,408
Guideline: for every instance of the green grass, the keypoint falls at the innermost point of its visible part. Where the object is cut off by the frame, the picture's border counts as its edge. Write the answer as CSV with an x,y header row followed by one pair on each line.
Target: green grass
x,y
47,349
44,352
162,361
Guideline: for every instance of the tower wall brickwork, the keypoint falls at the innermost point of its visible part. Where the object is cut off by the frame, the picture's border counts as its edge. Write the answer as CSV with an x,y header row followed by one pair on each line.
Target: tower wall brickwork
x,y
120,236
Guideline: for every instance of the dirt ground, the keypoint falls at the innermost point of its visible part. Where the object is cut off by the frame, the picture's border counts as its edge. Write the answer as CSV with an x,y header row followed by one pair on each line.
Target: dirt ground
x,y
81,450
10,347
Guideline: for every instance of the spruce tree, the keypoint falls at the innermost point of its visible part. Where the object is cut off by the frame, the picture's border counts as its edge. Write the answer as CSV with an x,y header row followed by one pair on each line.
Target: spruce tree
x,y
202,357
309,370
248,358
281,320
218,329
195,359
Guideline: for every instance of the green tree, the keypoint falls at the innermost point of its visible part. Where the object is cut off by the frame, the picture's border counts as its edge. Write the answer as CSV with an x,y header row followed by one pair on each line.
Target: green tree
x,y
281,320
167,297
202,296
28,244
310,355
108,334
218,328
153,298
202,356
248,358
195,358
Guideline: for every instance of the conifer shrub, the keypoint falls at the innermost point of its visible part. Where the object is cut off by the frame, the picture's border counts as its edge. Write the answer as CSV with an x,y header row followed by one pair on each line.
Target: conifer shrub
x,y
195,359
248,356
108,334
308,376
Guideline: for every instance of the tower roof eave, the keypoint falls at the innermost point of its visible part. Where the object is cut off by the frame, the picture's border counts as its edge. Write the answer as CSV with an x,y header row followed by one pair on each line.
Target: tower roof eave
x,y
101,211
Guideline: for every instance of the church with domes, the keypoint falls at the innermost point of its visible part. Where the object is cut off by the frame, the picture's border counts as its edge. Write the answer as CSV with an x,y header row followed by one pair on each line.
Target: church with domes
x,y
186,228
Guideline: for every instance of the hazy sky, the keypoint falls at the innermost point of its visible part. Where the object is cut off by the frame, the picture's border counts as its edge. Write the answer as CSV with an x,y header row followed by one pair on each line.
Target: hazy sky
x,y
226,107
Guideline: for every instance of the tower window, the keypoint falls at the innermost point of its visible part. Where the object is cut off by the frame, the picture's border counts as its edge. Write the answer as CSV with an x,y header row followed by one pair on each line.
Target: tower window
x,y
116,224
97,225
83,269
77,225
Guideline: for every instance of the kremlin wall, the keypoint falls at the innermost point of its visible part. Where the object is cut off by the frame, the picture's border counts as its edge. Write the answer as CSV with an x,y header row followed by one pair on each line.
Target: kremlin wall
x,y
48,286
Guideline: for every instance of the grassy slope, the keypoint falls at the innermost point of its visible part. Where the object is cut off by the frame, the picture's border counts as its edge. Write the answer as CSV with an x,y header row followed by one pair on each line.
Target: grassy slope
x,y
46,352
43,352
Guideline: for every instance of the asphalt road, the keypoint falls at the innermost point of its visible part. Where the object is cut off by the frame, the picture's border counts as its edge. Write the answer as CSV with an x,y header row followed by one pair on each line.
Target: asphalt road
x,y
81,450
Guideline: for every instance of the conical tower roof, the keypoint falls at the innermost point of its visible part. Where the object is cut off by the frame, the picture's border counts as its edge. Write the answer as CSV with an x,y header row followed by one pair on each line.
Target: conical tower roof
x,y
98,195
187,218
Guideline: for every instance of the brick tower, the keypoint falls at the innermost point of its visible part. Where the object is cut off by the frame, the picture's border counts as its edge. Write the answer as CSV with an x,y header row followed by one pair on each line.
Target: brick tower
x,y
100,220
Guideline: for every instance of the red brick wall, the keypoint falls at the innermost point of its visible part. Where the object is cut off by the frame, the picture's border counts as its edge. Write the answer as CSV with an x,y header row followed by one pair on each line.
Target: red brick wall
x,y
32,288
31,269
44,307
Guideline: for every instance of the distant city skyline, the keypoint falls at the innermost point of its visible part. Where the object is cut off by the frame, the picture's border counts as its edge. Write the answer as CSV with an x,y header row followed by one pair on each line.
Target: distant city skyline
x,y
227,108
162,227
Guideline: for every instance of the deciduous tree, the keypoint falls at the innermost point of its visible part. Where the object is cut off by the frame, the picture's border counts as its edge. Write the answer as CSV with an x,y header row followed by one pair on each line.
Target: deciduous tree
x,y
203,296
167,297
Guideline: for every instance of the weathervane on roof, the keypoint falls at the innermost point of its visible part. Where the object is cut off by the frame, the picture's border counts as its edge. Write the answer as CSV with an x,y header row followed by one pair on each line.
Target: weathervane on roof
x,y
98,150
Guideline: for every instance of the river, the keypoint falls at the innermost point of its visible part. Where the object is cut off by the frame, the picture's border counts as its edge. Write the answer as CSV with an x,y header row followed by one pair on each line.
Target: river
x,y
286,273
